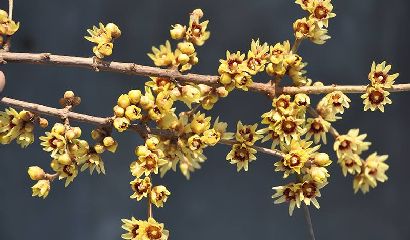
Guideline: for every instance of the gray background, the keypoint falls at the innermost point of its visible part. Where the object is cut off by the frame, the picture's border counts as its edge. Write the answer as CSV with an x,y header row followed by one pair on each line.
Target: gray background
x,y
217,203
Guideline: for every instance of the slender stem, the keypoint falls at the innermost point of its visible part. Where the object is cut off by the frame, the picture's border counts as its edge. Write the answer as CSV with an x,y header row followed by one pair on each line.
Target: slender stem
x,y
11,3
149,208
309,222
213,81
296,45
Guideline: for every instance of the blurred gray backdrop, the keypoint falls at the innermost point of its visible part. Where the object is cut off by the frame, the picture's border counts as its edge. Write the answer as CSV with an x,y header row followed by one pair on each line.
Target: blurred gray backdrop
x,y
218,202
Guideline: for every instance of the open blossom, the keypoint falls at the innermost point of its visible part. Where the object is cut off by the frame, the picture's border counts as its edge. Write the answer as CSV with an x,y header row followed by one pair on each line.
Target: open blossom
x,y
241,155
289,193
321,11
373,171
197,31
7,26
304,28
352,143
317,127
159,195
41,188
247,134
256,58
332,104
162,56
141,188
375,98
379,75
103,36
350,163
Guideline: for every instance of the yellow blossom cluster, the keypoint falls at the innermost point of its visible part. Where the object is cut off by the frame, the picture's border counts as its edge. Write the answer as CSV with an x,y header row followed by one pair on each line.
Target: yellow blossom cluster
x,y
376,96
18,126
103,36
367,172
7,26
314,27
237,70
144,230
185,56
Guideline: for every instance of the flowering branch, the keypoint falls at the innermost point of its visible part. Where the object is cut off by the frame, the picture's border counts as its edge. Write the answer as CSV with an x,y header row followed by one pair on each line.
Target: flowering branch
x,y
140,129
136,69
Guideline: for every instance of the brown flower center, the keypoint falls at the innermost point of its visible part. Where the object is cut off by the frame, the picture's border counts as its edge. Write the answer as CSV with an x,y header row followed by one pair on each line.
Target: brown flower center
x,y
154,232
289,194
288,126
303,28
309,189
380,77
242,154
376,97
294,161
282,103
345,144
316,127
321,12
134,231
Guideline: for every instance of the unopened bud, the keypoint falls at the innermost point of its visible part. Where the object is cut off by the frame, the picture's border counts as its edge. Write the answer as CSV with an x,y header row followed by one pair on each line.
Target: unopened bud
x,y
36,173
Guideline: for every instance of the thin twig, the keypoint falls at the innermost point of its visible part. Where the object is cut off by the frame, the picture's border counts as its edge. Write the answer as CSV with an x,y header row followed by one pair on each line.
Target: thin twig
x,y
11,4
309,222
141,129
135,69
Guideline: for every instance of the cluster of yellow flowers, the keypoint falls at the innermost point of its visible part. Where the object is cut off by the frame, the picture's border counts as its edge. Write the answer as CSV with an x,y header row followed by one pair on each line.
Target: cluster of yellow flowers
x,y
367,172
381,81
103,36
185,56
18,126
7,26
314,26
69,153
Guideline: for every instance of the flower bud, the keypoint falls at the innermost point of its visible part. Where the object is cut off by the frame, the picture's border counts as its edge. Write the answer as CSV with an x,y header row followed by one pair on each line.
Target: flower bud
x,y
121,124
225,79
133,113
41,188
119,111
36,173
124,101
58,128
70,134
198,13
77,132
69,95
222,92
135,96
64,159
43,122
99,148
142,151
113,29
152,143
97,134
183,59
186,48
29,127
178,32
113,147
322,159
108,141
146,102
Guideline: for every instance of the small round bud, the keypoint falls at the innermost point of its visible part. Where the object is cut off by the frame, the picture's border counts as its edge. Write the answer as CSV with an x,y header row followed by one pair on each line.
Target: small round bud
x,y
322,159
99,148
205,89
97,134
178,32
318,84
133,113
26,116
225,79
77,132
118,111
183,58
194,60
43,122
152,143
135,96
222,92
141,151
198,13
36,173
58,128
108,141
54,165
113,29
64,159
186,47
70,134
2,81
146,102
69,95
124,101
121,124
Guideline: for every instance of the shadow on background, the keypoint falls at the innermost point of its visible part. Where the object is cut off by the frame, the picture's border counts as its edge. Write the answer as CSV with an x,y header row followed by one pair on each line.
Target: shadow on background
x,y
217,203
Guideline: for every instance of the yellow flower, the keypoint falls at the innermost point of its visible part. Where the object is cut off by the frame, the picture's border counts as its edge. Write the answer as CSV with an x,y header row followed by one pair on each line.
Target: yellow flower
x,y
317,127
374,170
141,188
7,26
284,105
195,143
310,190
152,230
332,104
246,134
241,155
67,172
269,134
379,75
278,66
200,123
321,11
317,174
93,161
99,34
133,113
146,165
352,143
375,98
41,188
319,35
103,50
257,58
290,193
53,142
350,163
36,173
305,4
304,28
132,226
162,57
221,127
196,32
159,84
159,195
289,128
232,64
211,137
25,139
121,124
177,31
243,81
103,36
